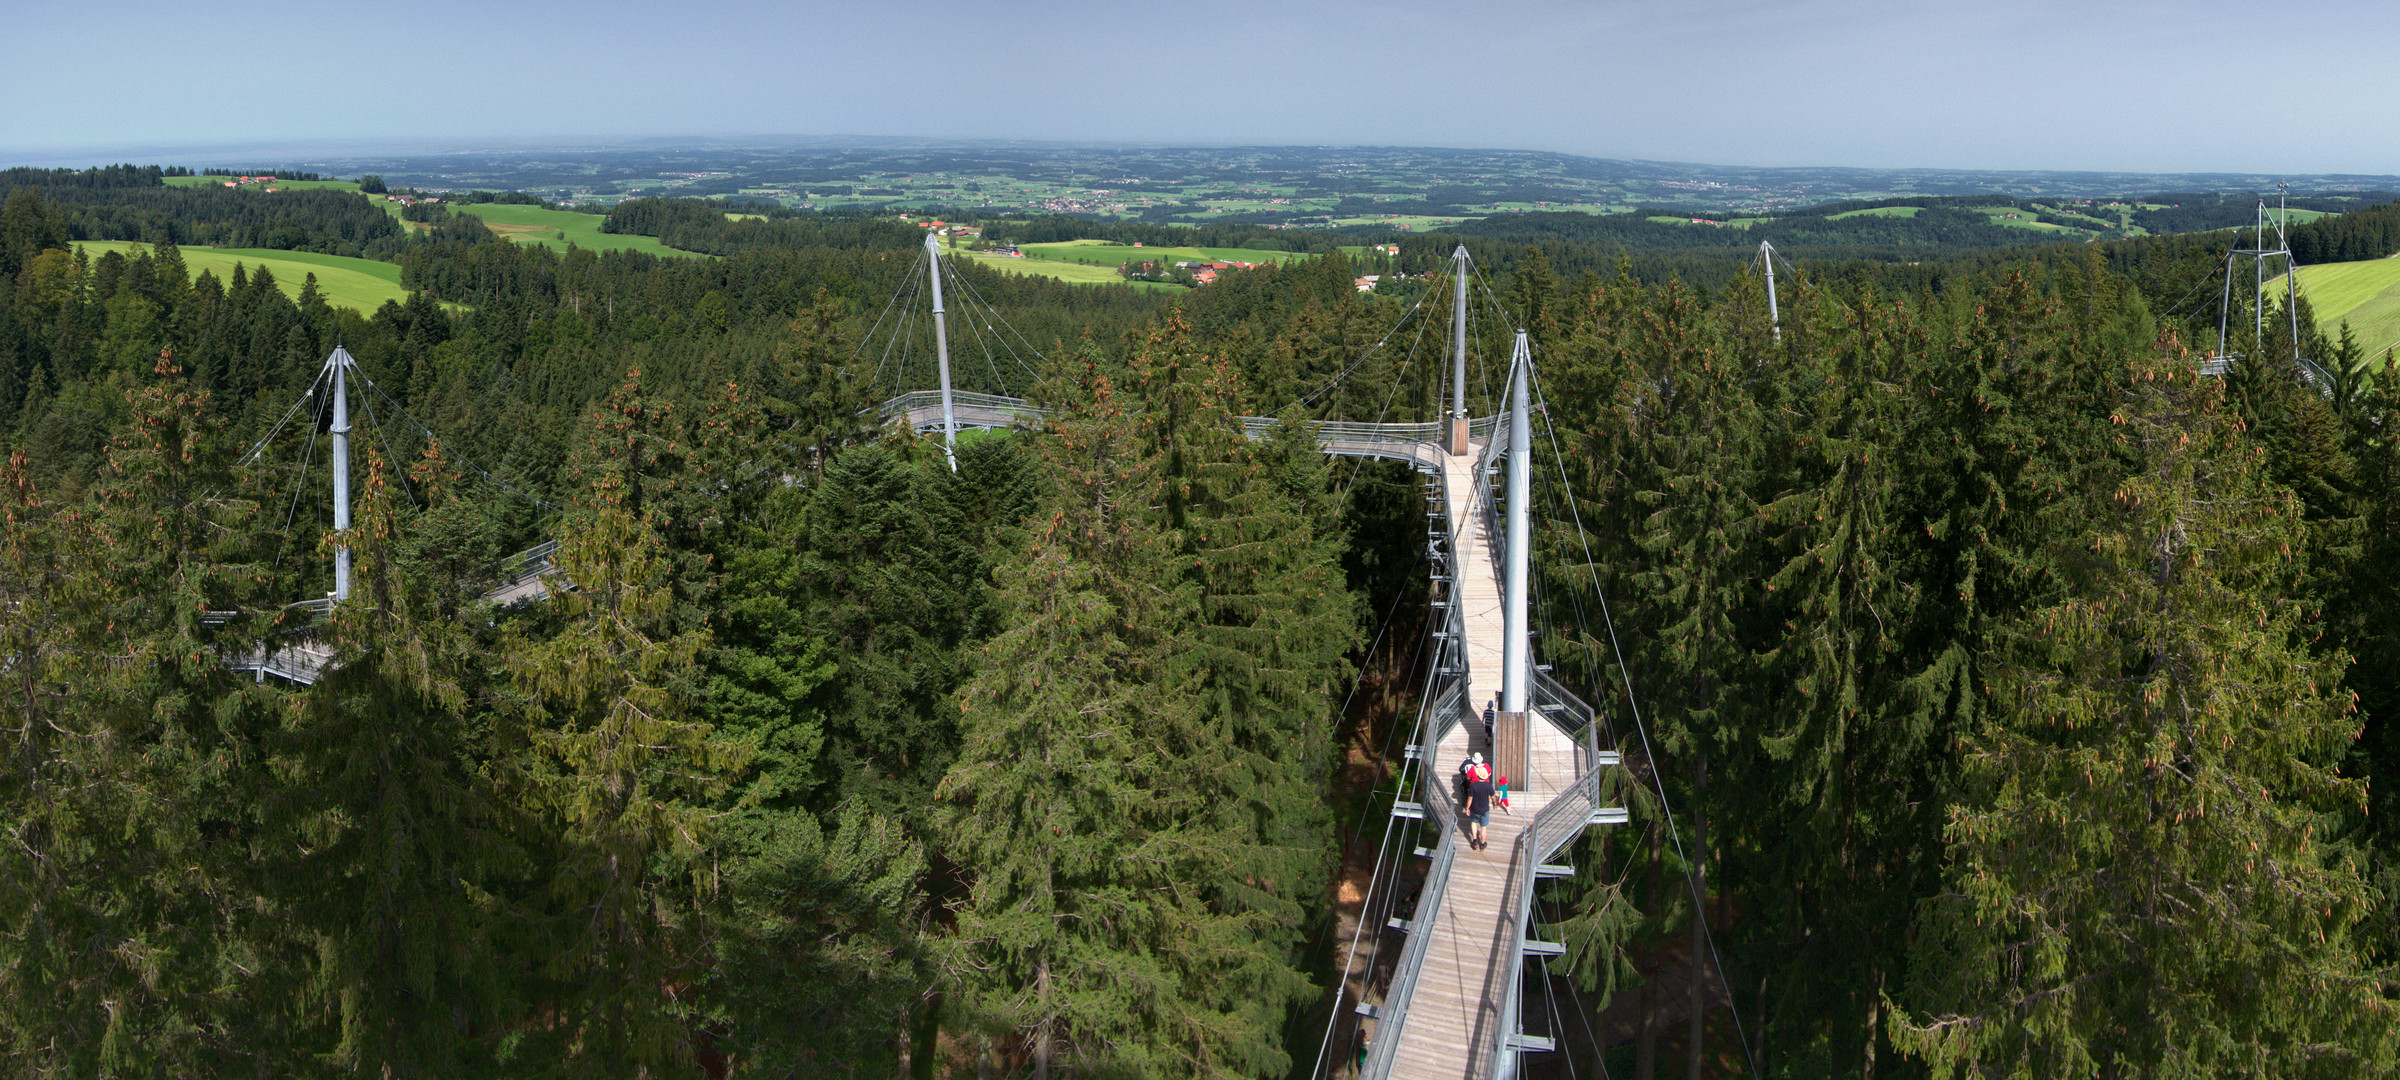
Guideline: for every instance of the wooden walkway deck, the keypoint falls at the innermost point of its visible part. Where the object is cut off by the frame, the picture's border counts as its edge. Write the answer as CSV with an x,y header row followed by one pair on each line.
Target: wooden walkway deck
x,y
1454,1012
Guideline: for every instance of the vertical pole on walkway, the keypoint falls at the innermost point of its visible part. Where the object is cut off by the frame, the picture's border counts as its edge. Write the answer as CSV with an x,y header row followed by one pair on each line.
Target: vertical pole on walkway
x,y
2291,266
1458,350
340,360
1512,734
2258,272
1517,655
941,348
1766,258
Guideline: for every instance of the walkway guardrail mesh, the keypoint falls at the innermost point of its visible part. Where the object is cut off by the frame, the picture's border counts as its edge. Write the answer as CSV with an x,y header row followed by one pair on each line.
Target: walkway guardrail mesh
x,y
1441,813
1418,443
1557,824
528,564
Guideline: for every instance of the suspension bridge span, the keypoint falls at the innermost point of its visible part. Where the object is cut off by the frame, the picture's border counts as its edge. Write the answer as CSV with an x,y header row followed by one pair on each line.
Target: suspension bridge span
x,y
1450,1008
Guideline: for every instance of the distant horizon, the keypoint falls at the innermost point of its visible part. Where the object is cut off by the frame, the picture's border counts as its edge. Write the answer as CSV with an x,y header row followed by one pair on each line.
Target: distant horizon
x,y
216,154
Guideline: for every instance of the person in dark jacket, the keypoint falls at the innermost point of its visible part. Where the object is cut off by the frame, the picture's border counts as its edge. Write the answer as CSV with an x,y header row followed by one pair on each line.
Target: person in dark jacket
x,y
1479,805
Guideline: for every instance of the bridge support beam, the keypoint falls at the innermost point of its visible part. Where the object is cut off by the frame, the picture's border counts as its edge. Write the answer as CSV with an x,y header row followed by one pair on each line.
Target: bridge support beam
x,y
1516,649
340,362
1456,441
941,347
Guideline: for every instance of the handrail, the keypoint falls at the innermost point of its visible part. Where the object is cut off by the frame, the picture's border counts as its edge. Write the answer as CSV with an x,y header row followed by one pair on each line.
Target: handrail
x,y
530,563
1441,809
1558,822
1255,427
1449,704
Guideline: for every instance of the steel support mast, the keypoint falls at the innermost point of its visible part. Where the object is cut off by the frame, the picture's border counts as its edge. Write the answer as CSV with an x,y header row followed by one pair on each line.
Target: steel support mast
x,y
1458,351
1516,656
1766,258
941,348
340,361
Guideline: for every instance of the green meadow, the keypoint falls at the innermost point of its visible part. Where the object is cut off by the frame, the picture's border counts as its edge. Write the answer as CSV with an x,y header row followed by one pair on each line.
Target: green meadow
x,y
1071,273
284,185
1877,211
1103,253
2365,294
555,229
362,284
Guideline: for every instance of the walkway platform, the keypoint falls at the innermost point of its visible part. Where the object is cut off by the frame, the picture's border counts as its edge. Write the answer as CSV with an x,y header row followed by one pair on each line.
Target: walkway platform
x,y
1454,1012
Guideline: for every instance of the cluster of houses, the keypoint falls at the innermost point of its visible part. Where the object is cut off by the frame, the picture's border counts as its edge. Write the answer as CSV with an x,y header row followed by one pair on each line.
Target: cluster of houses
x,y
944,228
408,201
241,180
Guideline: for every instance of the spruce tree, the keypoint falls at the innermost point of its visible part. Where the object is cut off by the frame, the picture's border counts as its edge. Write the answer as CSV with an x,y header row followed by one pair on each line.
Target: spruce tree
x,y
618,771
2138,884
1115,924
143,934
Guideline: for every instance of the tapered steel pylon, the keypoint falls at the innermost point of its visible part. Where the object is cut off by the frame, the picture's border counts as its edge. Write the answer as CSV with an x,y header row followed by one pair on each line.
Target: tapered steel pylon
x,y
941,347
341,364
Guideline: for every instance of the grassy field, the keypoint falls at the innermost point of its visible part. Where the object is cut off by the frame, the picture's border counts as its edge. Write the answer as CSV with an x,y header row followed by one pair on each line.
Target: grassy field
x,y
2365,294
556,229
352,283
1877,211
282,185
1103,253
1071,273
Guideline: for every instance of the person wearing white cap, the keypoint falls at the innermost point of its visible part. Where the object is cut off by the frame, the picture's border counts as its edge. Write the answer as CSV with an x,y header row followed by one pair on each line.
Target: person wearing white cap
x,y
1479,804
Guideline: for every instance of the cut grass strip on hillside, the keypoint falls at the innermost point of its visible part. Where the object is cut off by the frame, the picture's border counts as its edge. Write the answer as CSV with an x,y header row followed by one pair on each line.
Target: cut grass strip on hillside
x,y
1071,273
1104,253
279,185
1877,211
555,229
359,284
2365,294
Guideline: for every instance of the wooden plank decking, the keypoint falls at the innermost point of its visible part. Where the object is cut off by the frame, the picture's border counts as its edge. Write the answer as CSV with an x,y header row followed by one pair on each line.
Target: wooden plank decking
x,y
1454,1012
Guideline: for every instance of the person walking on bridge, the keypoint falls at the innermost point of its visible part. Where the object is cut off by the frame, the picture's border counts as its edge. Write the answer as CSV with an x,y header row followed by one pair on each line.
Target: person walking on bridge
x,y
1479,805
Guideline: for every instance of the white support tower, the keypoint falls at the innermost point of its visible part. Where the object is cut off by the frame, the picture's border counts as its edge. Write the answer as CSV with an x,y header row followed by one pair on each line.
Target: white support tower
x,y
1457,442
341,363
2258,253
1516,665
1766,258
941,348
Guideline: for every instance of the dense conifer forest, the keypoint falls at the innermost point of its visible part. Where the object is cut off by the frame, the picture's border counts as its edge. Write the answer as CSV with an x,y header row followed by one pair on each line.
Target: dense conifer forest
x,y
2030,700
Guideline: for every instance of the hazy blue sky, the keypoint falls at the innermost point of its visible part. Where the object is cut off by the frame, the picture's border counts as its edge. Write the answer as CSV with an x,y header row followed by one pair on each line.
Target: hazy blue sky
x,y
2297,87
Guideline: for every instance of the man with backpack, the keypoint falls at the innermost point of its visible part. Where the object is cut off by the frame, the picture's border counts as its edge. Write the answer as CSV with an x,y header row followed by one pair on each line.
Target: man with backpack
x,y
1479,805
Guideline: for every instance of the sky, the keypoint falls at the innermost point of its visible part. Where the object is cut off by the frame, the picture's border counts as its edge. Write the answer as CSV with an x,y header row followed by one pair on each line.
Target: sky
x,y
2306,87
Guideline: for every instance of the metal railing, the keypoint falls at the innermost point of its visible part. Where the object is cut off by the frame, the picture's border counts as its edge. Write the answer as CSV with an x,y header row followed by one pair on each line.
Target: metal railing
x,y
526,565
1448,705
959,399
1419,444
1557,824
1391,1019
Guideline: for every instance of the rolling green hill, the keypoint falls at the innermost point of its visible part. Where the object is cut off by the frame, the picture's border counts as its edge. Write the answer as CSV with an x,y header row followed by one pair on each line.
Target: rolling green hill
x,y
2364,294
1103,253
362,284
555,229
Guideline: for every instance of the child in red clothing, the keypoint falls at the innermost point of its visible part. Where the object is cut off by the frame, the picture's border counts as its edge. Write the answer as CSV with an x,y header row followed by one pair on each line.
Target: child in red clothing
x,y
1500,797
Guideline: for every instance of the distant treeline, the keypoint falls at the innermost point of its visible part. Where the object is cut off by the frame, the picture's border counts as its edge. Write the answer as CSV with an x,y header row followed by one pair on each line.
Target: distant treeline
x,y
689,225
280,174
1054,228
125,202
2372,233
105,176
